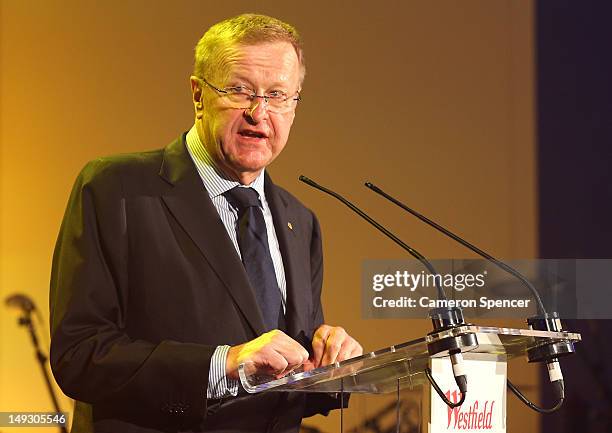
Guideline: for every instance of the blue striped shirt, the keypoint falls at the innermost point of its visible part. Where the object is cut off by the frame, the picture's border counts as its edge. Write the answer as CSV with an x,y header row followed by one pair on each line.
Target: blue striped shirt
x,y
216,183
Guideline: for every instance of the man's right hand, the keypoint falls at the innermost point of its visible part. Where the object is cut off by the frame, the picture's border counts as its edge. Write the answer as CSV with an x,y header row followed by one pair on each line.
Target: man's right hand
x,y
273,353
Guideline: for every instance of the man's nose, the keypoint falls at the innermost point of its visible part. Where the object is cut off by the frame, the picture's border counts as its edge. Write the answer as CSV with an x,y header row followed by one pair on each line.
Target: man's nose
x,y
257,111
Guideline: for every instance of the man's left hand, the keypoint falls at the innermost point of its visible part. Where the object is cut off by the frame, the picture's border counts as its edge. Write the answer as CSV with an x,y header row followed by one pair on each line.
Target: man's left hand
x,y
332,344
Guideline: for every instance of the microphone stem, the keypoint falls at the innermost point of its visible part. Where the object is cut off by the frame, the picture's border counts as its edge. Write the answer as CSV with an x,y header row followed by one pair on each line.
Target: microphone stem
x,y
414,253
26,320
466,244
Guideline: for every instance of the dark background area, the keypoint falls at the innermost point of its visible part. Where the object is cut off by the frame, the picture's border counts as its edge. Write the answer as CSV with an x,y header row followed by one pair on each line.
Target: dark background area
x,y
574,109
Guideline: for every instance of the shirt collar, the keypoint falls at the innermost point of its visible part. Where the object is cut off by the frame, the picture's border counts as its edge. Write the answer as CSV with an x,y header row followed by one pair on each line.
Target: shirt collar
x,y
215,181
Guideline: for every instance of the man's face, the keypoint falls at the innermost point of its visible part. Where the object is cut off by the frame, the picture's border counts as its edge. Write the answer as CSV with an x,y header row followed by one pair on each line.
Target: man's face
x,y
244,141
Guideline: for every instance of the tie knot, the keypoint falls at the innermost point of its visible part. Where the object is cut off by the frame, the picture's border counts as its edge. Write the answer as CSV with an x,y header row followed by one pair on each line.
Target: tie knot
x,y
242,197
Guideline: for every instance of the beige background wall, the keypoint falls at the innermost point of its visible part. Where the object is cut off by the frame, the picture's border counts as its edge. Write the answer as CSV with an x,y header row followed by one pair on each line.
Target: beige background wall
x,y
431,100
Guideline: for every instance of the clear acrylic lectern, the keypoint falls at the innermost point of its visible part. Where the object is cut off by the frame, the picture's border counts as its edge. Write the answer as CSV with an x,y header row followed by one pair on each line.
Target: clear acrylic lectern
x,y
403,366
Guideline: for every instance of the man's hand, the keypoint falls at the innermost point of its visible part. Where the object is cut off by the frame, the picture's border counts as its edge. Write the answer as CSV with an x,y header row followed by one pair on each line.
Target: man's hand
x,y
332,344
273,353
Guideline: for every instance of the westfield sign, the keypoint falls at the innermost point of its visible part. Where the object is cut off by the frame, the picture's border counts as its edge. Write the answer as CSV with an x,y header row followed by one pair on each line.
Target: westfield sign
x,y
477,416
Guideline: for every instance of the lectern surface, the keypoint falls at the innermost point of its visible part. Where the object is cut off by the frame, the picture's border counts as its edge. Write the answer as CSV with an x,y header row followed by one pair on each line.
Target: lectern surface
x,y
403,364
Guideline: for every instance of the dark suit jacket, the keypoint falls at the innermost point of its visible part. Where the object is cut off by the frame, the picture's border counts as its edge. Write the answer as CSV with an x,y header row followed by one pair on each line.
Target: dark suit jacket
x,y
146,283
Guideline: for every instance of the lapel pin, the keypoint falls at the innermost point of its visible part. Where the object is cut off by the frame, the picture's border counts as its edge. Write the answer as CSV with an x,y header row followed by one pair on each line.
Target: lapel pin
x,y
290,226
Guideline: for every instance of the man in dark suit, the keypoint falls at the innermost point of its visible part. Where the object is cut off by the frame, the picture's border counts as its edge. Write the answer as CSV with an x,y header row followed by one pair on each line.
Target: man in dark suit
x,y
175,266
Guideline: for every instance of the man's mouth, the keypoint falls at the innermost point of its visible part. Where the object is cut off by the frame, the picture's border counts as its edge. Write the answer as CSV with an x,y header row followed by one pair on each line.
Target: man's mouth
x,y
252,133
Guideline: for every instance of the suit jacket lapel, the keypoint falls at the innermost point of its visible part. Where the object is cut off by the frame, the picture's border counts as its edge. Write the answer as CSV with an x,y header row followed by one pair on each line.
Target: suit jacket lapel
x,y
299,293
190,204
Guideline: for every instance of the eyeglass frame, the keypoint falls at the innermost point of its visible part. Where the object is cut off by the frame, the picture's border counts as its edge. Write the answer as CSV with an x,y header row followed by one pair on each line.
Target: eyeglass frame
x,y
252,97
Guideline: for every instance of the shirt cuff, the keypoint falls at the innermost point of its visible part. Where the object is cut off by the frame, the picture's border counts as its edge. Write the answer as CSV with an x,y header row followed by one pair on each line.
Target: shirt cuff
x,y
219,385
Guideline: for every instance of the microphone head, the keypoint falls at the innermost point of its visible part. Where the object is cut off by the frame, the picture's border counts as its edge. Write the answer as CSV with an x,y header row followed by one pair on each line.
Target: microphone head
x,y
304,179
21,301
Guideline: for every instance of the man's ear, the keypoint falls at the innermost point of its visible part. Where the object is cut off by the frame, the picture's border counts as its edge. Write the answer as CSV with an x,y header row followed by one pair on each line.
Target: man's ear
x,y
196,89
196,95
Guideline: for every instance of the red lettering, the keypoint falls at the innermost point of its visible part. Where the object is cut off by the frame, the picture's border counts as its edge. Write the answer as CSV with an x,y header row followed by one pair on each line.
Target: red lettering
x,y
470,417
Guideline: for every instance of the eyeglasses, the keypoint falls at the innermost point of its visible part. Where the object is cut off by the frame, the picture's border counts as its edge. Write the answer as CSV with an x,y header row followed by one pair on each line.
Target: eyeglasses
x,y
241,97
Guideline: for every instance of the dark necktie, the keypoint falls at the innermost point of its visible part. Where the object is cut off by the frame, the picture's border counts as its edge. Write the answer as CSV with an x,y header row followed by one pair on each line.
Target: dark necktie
x,y
253,244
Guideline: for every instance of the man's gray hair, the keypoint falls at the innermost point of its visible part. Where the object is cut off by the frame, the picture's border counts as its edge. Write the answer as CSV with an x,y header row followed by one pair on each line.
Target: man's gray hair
x,y
245,29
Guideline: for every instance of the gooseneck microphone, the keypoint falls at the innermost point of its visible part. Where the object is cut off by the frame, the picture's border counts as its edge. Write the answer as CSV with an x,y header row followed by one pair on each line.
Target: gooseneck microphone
x,y
442,318
26,305
487,256
548,353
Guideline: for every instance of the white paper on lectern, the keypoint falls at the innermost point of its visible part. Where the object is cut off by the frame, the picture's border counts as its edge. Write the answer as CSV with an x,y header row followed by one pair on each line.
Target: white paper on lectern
x,y
484,409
